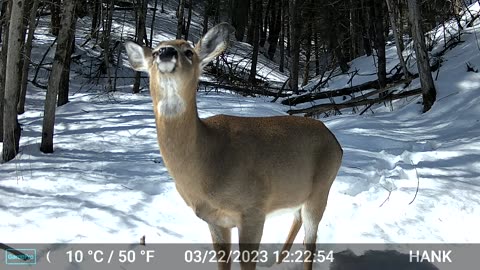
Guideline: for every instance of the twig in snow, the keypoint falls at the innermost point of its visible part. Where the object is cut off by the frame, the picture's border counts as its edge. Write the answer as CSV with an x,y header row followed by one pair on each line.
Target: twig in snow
x,y
471,68
438,71
418,183
388,198
454,93
350,81
366,109
280,91
127,187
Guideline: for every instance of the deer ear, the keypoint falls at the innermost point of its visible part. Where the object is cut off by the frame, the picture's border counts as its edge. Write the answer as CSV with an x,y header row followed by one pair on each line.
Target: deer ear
x,y
213,43
140,58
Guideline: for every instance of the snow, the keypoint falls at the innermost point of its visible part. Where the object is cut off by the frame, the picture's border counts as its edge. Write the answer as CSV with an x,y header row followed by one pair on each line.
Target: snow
x,y
406,177
364,68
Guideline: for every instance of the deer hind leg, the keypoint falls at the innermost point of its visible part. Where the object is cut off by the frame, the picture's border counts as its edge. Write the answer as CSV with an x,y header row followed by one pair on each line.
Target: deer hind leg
x,y
221,238
312,213
296,225
250,234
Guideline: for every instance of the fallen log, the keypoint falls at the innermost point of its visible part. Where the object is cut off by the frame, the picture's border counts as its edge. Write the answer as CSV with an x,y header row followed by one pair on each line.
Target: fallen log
x,y
339,92
371,93
361,87
321,108
242,89
247,90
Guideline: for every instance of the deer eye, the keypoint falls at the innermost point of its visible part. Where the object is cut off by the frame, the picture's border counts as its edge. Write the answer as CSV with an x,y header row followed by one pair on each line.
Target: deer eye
x,y
189,54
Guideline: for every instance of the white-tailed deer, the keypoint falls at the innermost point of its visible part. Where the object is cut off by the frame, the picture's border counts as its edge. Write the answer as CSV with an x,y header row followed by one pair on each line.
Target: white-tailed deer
x,y
234,171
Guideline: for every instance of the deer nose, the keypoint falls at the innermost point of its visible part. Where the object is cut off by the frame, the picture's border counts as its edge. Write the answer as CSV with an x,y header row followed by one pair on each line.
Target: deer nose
x,y
167,53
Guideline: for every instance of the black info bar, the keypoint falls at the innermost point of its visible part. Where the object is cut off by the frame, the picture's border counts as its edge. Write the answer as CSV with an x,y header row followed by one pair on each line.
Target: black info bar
x,y
56,256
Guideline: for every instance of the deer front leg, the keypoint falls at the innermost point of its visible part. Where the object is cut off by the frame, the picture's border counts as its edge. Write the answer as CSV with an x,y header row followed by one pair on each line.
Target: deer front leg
x,y
250,234
221,238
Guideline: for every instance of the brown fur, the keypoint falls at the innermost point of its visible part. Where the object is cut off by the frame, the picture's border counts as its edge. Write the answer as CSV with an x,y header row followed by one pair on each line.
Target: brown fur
x,y
234,171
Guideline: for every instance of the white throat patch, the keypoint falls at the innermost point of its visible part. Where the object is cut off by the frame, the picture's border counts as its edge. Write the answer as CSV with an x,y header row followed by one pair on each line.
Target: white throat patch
x,y
171,104
166,67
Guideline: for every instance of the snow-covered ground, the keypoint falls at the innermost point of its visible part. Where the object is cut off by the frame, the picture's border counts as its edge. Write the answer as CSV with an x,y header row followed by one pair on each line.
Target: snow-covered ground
x,y
406,177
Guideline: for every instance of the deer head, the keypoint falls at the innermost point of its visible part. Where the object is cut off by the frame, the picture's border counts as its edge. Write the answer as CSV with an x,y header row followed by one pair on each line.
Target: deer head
x,y
175,66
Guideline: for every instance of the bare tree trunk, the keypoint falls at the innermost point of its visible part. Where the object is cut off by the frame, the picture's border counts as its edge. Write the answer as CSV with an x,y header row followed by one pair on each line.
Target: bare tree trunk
x,y
11,128
189,18
401,31
216,16
107,30
317,52
152,26
364,21
353,29
141,11
296,30
429,93
54,81
256,17
3,10
281,41
65,81
3,62
96,17
393,21
335,35
206,15
26,58
379,30
55,16
251,22
240,13
308,45
145,11
264,22
275,28
336,50
180,21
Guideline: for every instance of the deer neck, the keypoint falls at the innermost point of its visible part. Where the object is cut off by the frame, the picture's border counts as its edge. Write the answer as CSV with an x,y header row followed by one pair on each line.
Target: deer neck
x,y
178,125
